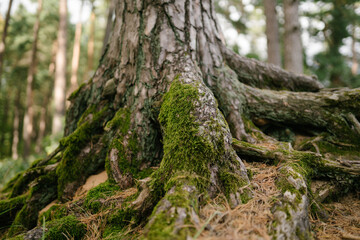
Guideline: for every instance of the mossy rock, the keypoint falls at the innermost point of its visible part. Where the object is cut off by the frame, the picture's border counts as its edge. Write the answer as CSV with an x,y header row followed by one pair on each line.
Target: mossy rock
x,y
68,227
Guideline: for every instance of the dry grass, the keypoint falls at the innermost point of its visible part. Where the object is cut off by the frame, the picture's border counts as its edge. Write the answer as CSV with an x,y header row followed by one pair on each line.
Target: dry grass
x,y
344,221
247,221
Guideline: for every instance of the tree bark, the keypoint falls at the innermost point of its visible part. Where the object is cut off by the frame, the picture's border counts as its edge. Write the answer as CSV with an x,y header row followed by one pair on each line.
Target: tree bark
x,y
3,39
109,24
60,73
272,33
160,115
76,53
293,58
29,113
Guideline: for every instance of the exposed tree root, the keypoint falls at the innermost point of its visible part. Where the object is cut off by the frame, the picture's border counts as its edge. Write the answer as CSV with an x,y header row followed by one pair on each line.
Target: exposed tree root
x,y
261,75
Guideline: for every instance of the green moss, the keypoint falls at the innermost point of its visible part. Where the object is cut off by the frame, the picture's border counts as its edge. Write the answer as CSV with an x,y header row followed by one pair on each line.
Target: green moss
x,y
125,141
164,220
250,173
17,237
120,121
184,148
21,184
232,183
56,211
71,167
123,217
102,191
10,207
41,193
65,228
76,92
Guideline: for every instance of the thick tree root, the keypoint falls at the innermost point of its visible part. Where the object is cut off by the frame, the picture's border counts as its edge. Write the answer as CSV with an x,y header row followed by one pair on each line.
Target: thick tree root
x,y
175,215
261,75
328,110
291,216
282,152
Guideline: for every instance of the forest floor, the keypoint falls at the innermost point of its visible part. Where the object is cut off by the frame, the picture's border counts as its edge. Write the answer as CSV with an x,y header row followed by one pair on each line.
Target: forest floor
x,y
247,221
343,222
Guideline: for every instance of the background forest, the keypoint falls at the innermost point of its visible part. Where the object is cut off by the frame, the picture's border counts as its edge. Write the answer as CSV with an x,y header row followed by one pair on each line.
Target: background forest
x,y
325,33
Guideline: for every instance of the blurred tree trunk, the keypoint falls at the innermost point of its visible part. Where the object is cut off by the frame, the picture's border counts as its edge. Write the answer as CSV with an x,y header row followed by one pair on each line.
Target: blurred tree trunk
x,y
42,122
355,64
16,124
90,46
272,33
60,72
293,58
3,39
29,112
109,24
4,120
45,106
76,52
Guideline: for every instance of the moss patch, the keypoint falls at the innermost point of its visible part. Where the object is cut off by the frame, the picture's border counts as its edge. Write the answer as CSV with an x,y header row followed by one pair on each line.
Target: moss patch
x,y
126,143
65,228
9,208
165,220
184,148
55,212
101,192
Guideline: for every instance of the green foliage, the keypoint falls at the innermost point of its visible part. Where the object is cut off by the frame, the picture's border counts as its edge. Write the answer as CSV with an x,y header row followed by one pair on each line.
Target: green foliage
x,y
331,65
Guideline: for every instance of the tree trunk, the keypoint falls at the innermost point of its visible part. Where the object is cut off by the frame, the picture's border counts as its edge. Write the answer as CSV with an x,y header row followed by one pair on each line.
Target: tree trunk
x,y
293,48
272,33
160,115
29,112
90,46
47,97
16,123
355,64
42,122
76,53
4,119
60,72
3,39
109,24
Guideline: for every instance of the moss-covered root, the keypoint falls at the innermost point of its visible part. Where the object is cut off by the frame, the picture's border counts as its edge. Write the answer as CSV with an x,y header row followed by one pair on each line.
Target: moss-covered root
x,y
197,139
324,165
175,215
9,208
41,194
290,211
